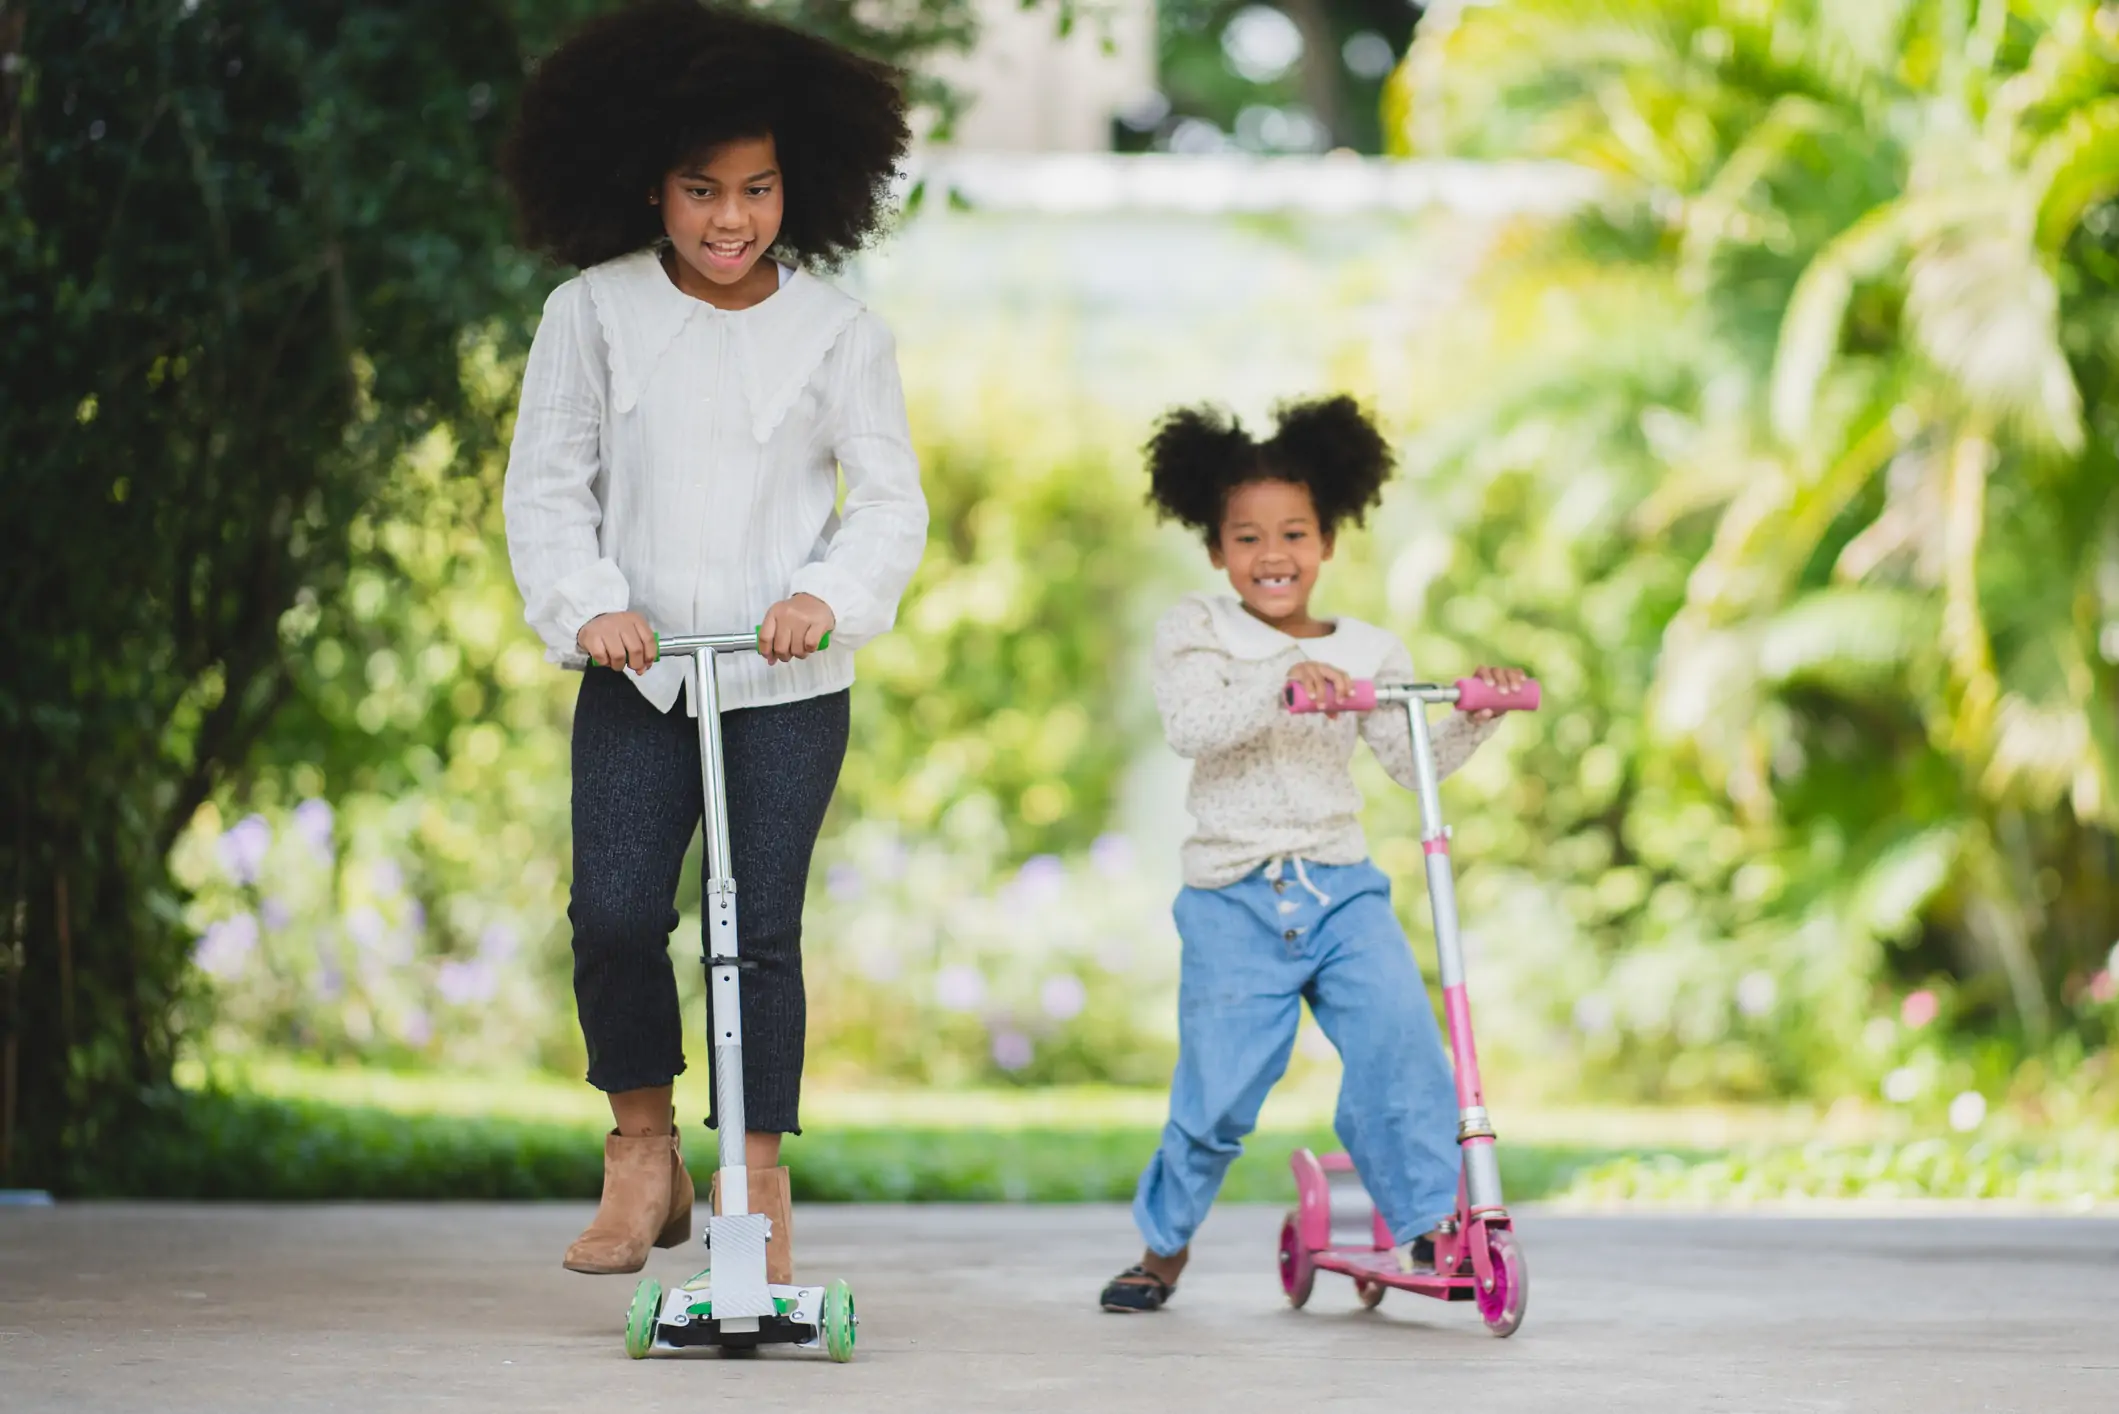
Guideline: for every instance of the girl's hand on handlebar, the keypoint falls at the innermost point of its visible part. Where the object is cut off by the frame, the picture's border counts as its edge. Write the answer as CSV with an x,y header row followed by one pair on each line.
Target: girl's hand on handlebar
x,y
1501,680
1324,683
794,627
621,640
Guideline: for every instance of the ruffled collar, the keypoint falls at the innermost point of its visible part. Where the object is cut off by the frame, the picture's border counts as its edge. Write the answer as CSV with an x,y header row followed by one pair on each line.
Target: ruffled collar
x,y
779,342
1356,647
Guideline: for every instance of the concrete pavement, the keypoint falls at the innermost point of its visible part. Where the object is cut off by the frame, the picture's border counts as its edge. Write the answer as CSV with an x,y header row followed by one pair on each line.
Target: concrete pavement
x,y
182,1308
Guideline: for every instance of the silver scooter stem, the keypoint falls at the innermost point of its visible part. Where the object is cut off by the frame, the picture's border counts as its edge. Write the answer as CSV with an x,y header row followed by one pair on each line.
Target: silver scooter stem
x,y
722,943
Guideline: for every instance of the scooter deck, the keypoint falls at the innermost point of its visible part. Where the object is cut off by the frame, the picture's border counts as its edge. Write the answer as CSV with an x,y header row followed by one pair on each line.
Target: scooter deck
x,y
686,1318
1381,1267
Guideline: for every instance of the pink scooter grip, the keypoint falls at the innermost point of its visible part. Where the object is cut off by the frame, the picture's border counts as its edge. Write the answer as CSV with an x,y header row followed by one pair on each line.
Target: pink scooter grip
x,y
1476,696
1298,699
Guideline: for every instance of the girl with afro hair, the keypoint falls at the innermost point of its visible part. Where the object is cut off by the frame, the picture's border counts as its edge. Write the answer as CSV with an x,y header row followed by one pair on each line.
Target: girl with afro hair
x,y
692,400
1280,903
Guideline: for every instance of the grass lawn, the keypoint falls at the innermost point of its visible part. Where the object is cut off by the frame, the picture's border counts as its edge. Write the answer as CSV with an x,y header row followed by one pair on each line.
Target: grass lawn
x,y
287,1130
282,1129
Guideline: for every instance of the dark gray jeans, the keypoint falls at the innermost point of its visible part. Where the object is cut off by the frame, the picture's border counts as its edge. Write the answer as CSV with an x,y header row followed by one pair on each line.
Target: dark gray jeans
x,y
637,805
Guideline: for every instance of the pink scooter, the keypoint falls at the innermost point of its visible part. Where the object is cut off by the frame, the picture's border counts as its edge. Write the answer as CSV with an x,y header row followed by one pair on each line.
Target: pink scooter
x,y
1335,1226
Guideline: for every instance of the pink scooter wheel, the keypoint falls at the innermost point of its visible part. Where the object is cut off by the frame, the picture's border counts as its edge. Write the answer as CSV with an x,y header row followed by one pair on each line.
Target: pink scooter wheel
x,y
1297,1272
1502,1308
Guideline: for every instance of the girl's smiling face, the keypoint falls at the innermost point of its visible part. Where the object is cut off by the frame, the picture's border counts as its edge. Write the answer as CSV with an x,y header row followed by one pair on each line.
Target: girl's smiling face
x,y
722,212
1271,545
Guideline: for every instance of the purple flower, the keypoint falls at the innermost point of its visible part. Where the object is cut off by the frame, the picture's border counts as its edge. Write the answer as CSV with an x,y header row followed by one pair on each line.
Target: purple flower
x,y
1112,855
959,988
367,928
418,1028
464,982
415,918
388,877
1756,993
1593,1015
498,944
312,821
243,848
1040,881
1063,997
275,913
844,882
1012,1050
227,945
880,963
330,982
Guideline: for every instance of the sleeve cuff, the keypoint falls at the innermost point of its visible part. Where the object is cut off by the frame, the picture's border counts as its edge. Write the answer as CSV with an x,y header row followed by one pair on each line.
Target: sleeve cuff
x,y
592,590
852,608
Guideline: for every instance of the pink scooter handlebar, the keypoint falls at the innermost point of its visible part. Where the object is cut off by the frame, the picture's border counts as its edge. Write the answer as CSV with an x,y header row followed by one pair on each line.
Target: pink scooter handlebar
x,y
1465,694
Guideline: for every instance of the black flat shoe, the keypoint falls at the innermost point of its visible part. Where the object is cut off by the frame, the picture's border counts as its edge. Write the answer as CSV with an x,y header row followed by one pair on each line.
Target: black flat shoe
x,y
1418,1255
1136,1289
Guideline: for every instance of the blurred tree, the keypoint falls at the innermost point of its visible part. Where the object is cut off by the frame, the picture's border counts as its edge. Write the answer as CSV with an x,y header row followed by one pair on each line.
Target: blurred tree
x,y
241,245
1880,240
1298,75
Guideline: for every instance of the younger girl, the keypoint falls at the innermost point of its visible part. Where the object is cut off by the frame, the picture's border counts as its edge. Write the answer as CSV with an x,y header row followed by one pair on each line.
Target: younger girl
x,y
1281,905
691,401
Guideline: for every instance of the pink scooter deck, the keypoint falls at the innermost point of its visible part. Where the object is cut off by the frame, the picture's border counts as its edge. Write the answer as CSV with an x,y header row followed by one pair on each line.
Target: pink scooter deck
x,y
1335,1227
1382,1269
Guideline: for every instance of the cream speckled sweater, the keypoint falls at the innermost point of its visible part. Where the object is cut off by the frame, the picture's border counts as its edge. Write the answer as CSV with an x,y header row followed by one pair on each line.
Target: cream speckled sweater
x,y
1267,784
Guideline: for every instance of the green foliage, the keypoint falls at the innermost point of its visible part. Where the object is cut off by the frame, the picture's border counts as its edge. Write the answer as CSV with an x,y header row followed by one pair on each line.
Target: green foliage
x,y
2073,1170
1790,461
1001,683
1201,83
230,1146
396,884
236,266
903,33
939,964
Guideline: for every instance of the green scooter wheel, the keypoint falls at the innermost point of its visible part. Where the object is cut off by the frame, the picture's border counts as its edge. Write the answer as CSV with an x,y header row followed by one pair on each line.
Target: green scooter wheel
x,y
640,1318
838,1322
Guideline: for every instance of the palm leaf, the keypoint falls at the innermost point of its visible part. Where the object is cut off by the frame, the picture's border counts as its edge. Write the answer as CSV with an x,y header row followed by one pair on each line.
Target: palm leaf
x,y
2075,169
1712,216
1868,249
1983,309
1848,637
1889,897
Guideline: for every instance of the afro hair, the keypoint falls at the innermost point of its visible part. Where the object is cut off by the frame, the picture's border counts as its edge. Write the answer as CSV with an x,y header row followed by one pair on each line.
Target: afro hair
x,y
634,94
1326,445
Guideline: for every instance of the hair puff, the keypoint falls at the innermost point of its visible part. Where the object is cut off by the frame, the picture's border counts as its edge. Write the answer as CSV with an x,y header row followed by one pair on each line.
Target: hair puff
x,y
631,95
1328,446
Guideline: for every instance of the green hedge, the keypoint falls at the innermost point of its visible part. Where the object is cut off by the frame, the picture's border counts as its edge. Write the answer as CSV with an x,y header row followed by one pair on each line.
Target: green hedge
x,y
216,1145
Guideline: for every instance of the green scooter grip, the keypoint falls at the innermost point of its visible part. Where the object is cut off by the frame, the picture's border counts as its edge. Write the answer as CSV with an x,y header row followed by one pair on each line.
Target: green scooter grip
x,y
822,643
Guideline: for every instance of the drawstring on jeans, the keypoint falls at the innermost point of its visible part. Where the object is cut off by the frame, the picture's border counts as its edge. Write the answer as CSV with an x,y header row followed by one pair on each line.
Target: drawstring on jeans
x,y
1302,877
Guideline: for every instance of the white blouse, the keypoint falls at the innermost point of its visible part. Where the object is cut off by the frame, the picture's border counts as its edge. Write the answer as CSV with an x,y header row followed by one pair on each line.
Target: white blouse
x,y
1268,784
683,461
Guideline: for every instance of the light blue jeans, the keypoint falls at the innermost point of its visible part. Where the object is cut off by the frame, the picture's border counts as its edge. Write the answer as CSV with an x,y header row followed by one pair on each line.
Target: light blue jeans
x,y
1253,953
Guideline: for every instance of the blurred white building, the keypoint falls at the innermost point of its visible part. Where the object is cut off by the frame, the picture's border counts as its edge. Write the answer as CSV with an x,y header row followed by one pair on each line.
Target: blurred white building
x,y
1032,91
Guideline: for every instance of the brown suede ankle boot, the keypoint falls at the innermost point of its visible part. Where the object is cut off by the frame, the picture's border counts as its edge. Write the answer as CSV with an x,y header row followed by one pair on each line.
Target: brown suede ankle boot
x,y
769,1195
647,1202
